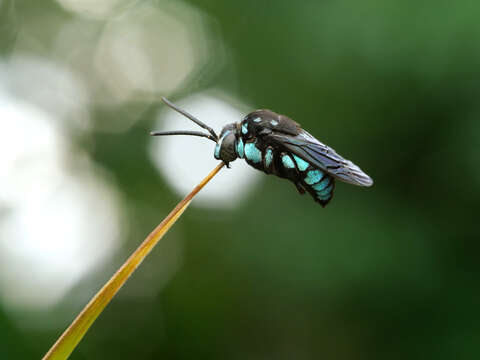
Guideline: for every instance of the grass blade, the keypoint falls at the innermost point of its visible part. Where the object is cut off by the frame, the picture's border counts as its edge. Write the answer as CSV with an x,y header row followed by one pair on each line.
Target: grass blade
x,y
70,338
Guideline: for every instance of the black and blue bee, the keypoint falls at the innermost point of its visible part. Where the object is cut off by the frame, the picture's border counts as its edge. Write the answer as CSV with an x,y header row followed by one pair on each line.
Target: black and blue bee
x,y
275,144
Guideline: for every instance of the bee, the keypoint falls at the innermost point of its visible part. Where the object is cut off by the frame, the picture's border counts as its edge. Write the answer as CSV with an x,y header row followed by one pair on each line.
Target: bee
x,y
275,144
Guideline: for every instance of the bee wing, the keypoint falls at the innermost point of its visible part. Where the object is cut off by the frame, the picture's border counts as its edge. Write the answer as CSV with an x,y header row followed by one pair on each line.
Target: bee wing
x,y
322,156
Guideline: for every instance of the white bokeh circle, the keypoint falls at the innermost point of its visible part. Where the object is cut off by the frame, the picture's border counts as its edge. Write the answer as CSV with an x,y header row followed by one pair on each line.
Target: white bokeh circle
x,y
56,224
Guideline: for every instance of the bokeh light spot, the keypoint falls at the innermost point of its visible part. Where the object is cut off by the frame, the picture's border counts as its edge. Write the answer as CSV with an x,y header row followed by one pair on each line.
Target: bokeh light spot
x,y
147,51
48,236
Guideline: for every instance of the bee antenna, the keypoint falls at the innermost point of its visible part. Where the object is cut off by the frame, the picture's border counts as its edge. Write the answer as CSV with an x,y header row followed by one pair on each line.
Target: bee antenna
x,y
193,118
183,132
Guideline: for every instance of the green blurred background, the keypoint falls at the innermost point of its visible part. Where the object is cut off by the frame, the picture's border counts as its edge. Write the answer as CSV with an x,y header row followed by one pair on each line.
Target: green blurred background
x,y
253,270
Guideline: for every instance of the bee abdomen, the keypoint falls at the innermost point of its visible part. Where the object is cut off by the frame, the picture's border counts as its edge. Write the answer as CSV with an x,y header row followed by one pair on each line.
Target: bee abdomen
x,y
289,166
319,185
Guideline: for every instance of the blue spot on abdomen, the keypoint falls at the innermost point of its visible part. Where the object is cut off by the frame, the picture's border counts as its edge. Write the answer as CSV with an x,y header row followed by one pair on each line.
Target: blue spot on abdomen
x,y
288,162
252,153
325,191
324,197
302,164
322,184
313,177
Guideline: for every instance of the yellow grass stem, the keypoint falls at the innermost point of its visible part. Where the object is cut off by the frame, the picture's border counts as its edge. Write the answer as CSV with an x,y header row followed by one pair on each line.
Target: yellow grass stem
x,y
70,338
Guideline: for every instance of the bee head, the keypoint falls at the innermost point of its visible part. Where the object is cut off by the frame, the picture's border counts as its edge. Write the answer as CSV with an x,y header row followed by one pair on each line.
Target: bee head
x,y
225,149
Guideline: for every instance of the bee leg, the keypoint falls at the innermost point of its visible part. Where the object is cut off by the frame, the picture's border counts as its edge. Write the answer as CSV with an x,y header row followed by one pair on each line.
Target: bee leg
x,y
300,188
228,165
